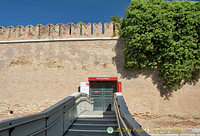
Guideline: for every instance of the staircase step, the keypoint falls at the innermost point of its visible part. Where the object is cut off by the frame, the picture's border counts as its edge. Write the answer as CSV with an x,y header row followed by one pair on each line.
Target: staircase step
x,y
98,113
95,121
77,124
75,132
96,116
90,134
94,127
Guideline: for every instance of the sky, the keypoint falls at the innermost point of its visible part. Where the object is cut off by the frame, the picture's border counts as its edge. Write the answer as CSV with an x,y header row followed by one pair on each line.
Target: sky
x,y
33,12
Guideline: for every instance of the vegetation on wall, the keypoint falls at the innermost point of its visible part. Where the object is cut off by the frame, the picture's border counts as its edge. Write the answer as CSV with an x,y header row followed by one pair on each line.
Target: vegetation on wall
x,y
165,36
116,21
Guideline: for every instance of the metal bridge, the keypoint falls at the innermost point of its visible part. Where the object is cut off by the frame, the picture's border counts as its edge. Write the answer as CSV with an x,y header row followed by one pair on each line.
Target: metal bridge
x,y
75,116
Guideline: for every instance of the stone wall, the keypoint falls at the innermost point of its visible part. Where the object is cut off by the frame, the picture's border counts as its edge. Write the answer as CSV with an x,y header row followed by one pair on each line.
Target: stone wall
x,y
35,75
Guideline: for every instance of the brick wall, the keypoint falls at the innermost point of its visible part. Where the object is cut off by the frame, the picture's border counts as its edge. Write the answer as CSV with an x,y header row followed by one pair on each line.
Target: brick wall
x,y
36,75
57,31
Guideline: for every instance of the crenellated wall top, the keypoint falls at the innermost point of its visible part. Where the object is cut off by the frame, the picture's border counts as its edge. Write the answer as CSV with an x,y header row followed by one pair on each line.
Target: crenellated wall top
x,y
58,31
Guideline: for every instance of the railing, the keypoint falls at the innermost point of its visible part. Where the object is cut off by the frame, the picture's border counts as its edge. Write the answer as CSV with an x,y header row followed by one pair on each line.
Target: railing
x,y
57,119
127,126
53,121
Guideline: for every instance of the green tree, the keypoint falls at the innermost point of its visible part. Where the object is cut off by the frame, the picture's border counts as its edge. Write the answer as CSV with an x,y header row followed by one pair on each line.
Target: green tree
x,y
115,19
165,36
81,23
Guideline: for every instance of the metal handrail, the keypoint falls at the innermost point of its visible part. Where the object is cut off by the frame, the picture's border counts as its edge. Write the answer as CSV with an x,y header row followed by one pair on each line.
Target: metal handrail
x,y
40,131
28,121
74,100
124,117
11,126
117,117
121,119
43,115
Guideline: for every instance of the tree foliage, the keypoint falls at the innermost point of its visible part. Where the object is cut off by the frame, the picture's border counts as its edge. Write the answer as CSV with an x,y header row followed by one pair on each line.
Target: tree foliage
x,y
165,36
115,19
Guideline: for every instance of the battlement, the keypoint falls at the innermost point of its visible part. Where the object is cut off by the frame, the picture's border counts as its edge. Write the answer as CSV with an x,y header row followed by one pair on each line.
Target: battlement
x,y
58,31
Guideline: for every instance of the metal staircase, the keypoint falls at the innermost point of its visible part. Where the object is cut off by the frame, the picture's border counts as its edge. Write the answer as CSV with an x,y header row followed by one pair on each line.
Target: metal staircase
x,y
75,116
93,123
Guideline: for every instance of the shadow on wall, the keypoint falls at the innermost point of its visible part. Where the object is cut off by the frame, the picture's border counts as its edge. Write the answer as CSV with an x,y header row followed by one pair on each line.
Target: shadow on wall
x,y
135,73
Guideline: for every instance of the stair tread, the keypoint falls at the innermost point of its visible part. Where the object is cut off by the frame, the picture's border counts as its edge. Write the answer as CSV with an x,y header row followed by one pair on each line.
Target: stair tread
x,y
97,119
90,134
96,116
80,127
98,113
94,124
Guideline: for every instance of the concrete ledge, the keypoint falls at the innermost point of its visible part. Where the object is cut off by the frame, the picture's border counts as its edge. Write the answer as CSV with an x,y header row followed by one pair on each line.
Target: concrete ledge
x,y
60,40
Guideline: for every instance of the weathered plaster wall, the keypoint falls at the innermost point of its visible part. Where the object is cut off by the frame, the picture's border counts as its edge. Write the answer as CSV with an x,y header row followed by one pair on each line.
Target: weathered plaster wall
x,y
34,76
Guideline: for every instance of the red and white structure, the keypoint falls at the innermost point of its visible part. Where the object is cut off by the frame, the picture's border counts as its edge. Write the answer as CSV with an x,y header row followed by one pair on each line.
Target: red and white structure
x,y
85,86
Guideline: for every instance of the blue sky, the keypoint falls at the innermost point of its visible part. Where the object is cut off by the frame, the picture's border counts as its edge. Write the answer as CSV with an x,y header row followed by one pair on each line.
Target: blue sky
x,y
26,12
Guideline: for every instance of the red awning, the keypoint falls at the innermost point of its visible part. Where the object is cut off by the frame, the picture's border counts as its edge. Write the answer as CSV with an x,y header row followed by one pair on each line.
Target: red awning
x,y
102,79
